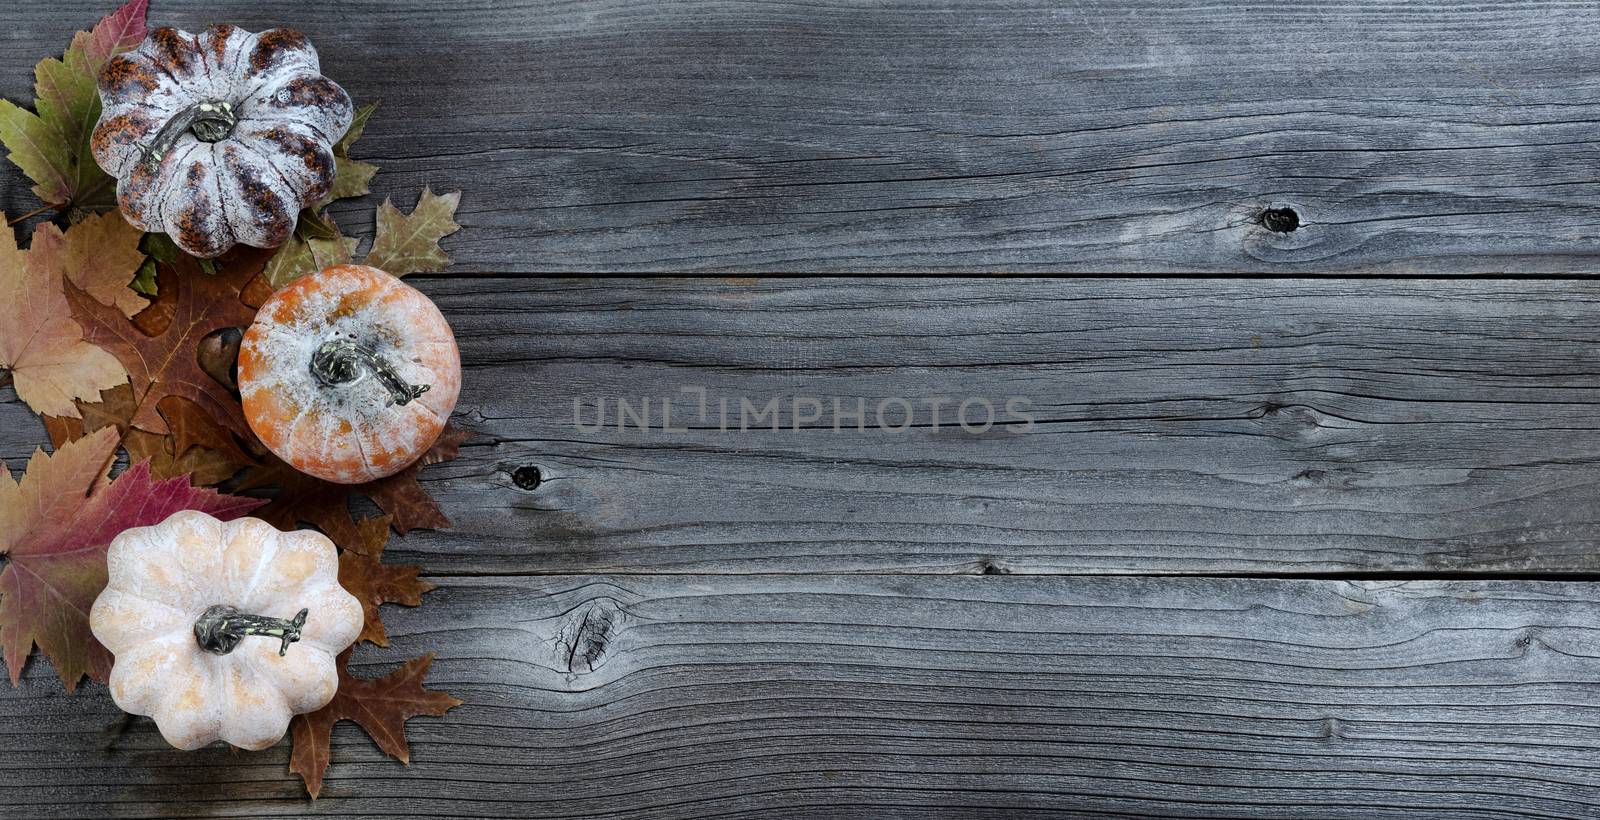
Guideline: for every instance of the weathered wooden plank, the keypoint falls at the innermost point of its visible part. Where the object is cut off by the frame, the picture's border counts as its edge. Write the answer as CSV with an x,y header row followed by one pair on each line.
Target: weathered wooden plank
x,y
959,135
870,697
1181,426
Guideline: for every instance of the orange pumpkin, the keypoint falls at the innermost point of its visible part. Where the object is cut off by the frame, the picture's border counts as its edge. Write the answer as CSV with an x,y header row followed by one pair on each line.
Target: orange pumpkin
x,y
349,374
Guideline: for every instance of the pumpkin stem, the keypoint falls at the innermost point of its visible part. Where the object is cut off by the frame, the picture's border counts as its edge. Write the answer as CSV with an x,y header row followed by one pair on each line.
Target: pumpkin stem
x,y
208,121
220,628
341,361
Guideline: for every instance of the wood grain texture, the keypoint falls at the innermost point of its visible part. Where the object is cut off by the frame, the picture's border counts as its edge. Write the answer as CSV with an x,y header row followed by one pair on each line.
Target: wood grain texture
x,y
871,697
764,623
958,135
1181,426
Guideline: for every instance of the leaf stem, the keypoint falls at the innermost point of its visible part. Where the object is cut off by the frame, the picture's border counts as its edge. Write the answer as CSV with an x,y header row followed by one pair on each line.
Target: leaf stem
x,y
79,197
84,194
33,213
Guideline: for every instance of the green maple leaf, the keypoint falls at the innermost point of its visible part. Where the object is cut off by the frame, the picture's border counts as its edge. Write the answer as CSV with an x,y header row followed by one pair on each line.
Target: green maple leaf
x,y
158,248
305,255
409,243
51,143
352,177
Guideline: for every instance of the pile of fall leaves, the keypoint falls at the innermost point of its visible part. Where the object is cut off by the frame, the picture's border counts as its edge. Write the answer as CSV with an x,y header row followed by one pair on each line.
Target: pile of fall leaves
x,y
121,342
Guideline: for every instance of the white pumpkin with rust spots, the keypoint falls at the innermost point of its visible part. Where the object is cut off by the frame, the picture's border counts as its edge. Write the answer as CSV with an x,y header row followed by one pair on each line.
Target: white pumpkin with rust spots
x,y
223,630
220,137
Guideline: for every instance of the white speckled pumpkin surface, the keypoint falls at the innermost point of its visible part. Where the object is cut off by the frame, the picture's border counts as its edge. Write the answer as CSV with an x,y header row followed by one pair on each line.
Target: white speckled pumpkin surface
x,y
219,137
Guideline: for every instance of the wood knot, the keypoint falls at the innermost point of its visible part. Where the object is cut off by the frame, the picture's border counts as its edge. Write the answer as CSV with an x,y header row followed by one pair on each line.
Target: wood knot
x,y
1279,233
1291,419
1279,220
988,566
527,477
586,638
1316,478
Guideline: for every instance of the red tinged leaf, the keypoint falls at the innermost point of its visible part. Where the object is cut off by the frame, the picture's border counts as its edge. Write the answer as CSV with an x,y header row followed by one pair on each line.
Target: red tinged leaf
x,y
55,525
117,32
380,706
51,144
160,347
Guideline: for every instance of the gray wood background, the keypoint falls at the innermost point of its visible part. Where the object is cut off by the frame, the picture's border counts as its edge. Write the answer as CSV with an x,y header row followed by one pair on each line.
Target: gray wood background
x,y
609,136
1305,546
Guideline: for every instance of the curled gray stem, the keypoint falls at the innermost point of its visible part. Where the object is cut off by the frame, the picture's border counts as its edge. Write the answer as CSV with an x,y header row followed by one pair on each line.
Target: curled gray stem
x,y
220,628
341,361
210,121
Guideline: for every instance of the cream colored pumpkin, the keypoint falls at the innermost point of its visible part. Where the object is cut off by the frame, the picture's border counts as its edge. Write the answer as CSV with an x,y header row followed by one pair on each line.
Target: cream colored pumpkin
x,y
166,589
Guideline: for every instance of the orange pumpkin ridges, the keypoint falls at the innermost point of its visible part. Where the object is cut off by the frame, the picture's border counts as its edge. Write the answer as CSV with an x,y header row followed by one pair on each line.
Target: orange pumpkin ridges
x,y
349,374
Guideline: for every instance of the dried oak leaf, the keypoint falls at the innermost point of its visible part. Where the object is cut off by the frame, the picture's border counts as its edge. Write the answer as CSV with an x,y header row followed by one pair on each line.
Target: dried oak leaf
x,y
160,346
193,449
51,361
363,574
54,527
352,178
193,429
409,243
380,706
325,505
51,143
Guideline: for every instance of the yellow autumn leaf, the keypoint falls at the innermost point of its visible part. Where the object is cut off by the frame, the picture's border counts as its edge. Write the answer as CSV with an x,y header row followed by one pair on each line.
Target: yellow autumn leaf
x,y
40,344
101,256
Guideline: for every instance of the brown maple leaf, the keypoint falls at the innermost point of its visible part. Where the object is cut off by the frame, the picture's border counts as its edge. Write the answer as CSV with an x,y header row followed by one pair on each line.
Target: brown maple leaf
x,y
160,346
364,575
193,428
54,528
381,707
325,505
208,457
